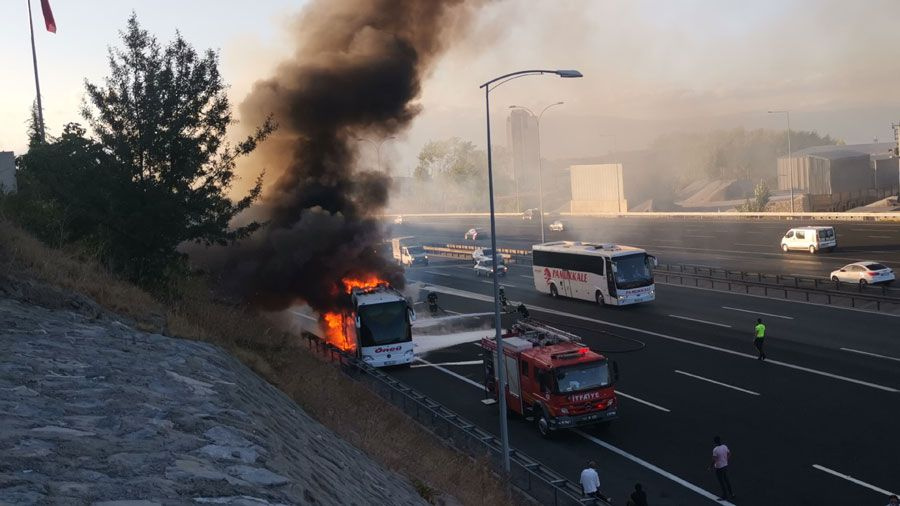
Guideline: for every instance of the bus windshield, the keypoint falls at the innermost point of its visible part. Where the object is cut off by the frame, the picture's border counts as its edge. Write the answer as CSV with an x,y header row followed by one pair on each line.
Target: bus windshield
x,y
582,377
382,324
632,271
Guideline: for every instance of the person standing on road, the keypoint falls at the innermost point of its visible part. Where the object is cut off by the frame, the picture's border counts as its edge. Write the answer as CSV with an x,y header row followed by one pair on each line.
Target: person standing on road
x,y
638,497
590,482
893,501
760,338
720,457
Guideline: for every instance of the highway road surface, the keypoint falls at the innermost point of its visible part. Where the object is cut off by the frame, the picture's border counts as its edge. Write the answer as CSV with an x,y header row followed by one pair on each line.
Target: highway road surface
x,y
751,245
818,423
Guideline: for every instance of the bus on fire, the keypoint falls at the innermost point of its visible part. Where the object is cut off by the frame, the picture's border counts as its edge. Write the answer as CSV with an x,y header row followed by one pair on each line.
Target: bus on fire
x,y
605,273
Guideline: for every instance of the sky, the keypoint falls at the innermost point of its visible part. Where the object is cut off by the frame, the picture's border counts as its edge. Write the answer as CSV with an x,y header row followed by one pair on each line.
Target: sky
x,y
650,67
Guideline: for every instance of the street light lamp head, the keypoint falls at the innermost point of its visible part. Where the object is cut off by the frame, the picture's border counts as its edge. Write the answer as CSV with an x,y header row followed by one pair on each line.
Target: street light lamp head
x,y
569,73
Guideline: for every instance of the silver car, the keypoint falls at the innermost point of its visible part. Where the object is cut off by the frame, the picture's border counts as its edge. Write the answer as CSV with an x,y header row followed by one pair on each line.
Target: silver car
x,y
486,268
557,226
864,273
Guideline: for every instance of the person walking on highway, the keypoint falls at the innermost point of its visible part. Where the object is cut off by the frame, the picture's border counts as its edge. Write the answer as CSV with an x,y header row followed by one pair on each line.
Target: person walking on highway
x,y
760,338
590,482
893,501
720,457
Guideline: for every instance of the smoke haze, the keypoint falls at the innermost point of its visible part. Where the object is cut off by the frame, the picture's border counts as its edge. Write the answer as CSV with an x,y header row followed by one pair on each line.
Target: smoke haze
x,y
357,72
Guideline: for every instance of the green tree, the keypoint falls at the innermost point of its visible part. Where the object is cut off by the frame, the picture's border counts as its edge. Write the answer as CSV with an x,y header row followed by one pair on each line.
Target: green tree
x,y
162,115
761,195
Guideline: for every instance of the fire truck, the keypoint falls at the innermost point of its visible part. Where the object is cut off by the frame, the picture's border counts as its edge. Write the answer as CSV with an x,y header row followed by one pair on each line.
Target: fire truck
x,y
380,326
552,377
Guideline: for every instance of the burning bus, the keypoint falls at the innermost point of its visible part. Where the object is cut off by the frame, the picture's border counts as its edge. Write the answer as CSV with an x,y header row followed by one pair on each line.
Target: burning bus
x,y
377,326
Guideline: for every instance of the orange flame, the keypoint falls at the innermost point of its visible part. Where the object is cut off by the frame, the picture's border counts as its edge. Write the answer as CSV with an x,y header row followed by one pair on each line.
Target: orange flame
x,y
333,325
370,281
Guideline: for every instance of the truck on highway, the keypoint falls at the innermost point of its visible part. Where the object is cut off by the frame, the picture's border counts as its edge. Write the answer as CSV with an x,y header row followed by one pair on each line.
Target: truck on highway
x,y
602,272
551,377
407,251
379,326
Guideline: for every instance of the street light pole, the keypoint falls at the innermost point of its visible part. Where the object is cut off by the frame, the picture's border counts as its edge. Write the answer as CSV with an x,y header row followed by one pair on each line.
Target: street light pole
x,y
540,160
500,363
790,156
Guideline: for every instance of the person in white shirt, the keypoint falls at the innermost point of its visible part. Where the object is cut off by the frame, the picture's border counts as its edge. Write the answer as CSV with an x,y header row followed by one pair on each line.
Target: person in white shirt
x,y
590,482
720,457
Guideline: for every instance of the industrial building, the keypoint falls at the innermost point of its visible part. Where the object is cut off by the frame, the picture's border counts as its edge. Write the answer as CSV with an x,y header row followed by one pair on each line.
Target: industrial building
x,y
7,172
597,188
523,140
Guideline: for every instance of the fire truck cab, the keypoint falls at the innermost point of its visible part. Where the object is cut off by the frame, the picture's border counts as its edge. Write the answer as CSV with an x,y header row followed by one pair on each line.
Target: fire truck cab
x,y
552,377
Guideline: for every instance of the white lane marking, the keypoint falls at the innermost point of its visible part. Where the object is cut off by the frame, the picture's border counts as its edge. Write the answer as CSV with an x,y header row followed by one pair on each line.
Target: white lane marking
x,y
471,295
758,312
466,362
791,301
879,237
753,244
604,444
702,236
871,354
852,479
726,385
642,401
641,462
700,321
451,373
451,311
527,277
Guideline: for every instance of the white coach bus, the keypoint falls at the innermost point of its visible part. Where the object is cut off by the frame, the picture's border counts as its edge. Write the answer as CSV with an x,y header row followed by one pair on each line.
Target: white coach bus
x,y
605,273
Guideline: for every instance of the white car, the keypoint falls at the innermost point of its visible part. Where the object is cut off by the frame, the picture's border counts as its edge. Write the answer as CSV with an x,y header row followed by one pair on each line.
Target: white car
x,y
864,273
486,268
473,233
398,220
557,226
482,254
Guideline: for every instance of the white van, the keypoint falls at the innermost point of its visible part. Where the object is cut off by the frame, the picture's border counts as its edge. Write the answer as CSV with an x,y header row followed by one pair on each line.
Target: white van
x,y
810,239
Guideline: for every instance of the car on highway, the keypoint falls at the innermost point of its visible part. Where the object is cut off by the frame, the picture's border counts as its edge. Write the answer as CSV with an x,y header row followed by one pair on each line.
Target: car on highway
x,y
557,226
485,267
482,254
810,239
473,233
398,220
530,214
864,273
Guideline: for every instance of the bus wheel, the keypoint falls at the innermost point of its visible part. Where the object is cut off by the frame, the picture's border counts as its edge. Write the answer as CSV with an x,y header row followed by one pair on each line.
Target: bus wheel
x,y
599,298
543,426
553,291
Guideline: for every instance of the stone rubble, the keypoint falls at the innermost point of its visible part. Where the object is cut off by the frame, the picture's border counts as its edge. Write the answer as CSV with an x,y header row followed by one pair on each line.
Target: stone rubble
x,y
93,411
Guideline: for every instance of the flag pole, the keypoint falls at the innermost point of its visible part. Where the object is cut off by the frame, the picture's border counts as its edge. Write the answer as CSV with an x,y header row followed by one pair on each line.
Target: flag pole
x,y
37,81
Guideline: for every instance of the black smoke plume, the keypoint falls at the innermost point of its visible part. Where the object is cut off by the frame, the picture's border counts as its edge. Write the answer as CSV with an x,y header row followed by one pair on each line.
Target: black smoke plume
x,y
357,72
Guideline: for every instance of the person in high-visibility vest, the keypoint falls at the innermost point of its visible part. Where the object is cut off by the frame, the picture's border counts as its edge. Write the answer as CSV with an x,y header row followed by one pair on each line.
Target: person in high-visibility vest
x,y
760,338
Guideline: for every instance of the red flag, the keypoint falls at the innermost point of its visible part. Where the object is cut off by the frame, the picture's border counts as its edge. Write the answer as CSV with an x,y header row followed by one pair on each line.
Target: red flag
x,y
48,16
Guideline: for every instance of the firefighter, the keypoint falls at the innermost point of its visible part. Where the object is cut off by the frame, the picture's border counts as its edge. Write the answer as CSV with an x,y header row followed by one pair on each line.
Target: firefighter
x,y
432,303
760,339
502,295
523,311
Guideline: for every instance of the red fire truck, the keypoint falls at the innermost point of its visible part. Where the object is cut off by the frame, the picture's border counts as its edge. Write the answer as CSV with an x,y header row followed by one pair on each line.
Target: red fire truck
x,y
552,377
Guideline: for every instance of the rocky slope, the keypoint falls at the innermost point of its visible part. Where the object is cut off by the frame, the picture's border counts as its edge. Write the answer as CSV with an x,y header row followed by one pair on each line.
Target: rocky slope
x,y
93,411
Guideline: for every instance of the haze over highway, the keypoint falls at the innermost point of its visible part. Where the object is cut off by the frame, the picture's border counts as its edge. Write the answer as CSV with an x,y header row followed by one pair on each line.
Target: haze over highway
x,y
823,407
748,245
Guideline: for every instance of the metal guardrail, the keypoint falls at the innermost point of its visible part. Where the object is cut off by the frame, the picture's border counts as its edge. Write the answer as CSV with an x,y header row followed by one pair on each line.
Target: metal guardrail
x,y
781,286
527,475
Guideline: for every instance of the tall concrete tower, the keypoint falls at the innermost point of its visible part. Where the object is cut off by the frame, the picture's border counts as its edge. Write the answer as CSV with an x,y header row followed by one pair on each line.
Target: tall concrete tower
x,y
523,140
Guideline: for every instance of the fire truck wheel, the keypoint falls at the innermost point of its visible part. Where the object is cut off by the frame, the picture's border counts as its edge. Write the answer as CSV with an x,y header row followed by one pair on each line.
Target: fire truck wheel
x,y
543,426
599,298
553,291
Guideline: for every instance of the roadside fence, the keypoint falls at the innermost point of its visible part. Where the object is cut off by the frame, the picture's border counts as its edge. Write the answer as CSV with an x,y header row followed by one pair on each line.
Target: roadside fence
x,y
526,475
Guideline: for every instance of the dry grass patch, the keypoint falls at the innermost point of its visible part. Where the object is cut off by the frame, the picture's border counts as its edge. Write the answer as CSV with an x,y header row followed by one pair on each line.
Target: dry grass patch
x,y
338,402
